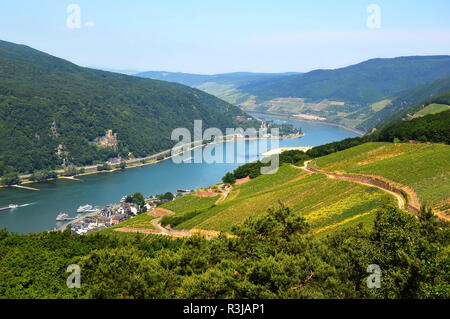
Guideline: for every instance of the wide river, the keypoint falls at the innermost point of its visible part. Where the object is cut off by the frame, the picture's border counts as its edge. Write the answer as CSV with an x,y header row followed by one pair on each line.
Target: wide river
x,y
41,207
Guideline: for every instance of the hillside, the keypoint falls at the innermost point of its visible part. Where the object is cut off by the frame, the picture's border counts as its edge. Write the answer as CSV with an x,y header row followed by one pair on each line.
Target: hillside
x,y
363,83
411,102
361,96
224,86
330,203
54,112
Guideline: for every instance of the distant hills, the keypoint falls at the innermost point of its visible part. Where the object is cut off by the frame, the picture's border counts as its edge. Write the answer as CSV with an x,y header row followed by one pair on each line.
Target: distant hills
x,y
364,83
411,102
360,96
237,79
53,111
225,86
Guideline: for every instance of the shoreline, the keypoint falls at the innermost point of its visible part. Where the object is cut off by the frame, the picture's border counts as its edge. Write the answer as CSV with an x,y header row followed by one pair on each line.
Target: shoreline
x,y
293,118
284,149
92,169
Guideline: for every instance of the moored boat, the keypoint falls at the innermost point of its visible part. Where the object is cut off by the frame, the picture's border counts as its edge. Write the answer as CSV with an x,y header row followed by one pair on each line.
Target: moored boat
x,y
84,209
62,217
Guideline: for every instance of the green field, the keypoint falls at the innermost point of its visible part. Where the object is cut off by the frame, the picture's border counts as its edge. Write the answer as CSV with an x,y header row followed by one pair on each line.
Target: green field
x,y
432,109
378,106
423,167
190,203
143,220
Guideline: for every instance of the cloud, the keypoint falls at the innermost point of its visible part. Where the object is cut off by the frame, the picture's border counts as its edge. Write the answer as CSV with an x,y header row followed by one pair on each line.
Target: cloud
x,y
89,24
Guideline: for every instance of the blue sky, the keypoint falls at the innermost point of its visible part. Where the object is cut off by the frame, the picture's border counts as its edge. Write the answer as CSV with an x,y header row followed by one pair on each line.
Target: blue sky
x,y
211,36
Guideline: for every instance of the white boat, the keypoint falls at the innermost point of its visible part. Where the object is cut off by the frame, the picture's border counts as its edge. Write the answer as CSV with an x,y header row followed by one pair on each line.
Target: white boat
x,y
85,209
62,217
11,206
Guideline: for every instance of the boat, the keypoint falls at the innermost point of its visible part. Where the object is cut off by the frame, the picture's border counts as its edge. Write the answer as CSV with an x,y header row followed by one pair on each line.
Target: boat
x,y
183,191
62,217
85,209
11,206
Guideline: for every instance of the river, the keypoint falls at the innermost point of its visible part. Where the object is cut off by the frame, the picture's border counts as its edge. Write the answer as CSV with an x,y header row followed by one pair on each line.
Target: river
x,y
42,207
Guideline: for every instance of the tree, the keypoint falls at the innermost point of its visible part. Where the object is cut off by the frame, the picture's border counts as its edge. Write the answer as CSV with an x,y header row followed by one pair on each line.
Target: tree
x,y
139,199
104,167
129,199
11,179
70,171
167,196
229,178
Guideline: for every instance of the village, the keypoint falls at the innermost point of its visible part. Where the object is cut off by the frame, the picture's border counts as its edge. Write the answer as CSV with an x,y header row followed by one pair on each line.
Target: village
x,y
114,214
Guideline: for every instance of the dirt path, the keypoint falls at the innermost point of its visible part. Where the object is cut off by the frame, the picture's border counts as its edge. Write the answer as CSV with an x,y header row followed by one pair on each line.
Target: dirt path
x,y
225,191
381,182
367,181
161,230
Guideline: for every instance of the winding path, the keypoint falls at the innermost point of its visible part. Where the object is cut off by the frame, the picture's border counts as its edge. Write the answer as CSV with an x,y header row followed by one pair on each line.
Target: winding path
x,y
369,181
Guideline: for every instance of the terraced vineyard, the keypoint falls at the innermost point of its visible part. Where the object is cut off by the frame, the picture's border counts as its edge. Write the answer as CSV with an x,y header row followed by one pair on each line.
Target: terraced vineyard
x,y
422,167
327,203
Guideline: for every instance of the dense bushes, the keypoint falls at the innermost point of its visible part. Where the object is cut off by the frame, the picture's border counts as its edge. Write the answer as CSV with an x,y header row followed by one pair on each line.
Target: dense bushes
x,y
176,220
430,128
10,179
43,175
273,256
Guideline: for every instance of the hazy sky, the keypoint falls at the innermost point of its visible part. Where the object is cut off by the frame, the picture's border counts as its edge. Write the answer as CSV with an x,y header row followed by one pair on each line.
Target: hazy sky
x,y
214,36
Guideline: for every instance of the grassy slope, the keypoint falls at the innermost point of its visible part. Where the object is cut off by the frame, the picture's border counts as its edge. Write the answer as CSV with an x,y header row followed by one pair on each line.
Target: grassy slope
x,y
433,109
330,204
190,203
141,221
423,167
324,202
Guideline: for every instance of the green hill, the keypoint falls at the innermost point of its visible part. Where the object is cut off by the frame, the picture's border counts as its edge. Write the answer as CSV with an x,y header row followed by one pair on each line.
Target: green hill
x,y
224,86
409,102
51,111
363,83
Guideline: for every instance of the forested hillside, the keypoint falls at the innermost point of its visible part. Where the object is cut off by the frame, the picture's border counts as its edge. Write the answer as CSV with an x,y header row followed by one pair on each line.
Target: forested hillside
x,y
274,255
363,83
52,111
411,102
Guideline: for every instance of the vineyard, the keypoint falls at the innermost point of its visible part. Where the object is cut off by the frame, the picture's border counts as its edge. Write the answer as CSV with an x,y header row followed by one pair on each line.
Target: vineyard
x,y
324,202
423,167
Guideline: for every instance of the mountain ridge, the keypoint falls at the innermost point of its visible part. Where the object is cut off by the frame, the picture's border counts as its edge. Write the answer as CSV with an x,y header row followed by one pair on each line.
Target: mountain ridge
x,y
41,94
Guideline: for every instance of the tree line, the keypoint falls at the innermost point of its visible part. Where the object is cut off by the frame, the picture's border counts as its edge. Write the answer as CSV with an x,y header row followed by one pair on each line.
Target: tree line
x,y
274,255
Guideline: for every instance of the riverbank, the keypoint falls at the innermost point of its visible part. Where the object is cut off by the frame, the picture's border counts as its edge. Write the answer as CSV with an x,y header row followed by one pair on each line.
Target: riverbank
x,y
294,118
284,149
101,190
144,161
